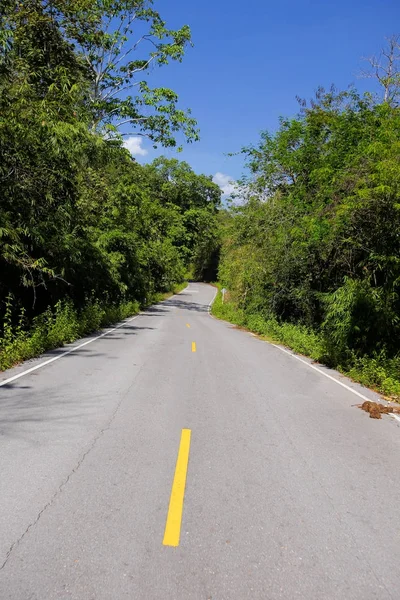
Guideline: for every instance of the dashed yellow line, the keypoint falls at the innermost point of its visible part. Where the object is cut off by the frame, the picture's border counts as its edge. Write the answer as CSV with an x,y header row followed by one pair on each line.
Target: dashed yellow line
x,y
187,325
193,346
174,518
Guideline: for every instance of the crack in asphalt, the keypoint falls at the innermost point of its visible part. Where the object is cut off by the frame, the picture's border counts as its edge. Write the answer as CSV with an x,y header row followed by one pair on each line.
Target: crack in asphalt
x,y
59,490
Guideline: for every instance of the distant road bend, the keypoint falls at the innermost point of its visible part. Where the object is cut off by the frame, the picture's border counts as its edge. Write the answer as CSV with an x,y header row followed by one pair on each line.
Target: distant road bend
x,y
180,458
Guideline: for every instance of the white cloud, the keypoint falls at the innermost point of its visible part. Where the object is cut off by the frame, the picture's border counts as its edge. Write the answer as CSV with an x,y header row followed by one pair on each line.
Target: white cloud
x,y
134,145
225,182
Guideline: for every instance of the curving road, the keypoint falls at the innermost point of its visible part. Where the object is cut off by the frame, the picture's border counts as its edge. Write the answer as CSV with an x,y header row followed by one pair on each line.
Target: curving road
x,y
291,492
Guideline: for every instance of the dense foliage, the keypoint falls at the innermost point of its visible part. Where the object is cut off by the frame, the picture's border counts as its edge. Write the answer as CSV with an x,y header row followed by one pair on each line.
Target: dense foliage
x,y
80,220
316,242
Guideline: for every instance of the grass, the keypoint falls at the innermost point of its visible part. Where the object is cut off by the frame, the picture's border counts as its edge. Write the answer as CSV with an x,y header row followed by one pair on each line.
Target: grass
x,y
377,372
62,325
297,337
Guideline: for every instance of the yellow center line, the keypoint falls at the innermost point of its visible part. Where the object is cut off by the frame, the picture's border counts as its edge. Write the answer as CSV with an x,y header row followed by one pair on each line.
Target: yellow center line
x,y
187,325
193,346
174,518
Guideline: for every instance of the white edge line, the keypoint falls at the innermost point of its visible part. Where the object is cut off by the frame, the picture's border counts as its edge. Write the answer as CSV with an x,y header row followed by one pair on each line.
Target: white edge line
x,y
47,362
347,387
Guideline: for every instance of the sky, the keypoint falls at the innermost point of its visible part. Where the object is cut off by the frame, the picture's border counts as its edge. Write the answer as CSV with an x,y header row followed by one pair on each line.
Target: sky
x,y
251,59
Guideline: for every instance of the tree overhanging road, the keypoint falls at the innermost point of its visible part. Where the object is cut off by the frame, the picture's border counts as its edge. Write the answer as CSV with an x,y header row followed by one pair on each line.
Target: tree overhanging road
x,y
291,492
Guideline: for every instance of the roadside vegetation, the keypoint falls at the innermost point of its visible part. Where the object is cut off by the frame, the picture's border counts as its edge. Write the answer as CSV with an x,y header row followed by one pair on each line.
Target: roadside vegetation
x,y
311,252
88,235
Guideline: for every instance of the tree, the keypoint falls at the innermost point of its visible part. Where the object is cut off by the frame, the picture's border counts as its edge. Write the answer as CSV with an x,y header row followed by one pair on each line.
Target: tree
x,y
385,68
194,199
97,39
182,186
120,42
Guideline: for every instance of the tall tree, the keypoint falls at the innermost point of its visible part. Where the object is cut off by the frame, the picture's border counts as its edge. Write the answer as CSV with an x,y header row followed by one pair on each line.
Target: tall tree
x,y
121,41
116,43
385,68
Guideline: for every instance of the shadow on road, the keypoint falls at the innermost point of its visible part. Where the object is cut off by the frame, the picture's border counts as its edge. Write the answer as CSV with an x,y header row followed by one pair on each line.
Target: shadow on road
x,y
189,305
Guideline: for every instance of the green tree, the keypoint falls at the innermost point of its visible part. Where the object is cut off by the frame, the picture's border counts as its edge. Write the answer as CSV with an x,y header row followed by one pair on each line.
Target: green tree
x,y
194,199
120,41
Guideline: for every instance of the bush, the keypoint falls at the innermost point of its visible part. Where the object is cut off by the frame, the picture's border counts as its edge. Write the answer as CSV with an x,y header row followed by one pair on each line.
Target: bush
x,y
378,372
358,317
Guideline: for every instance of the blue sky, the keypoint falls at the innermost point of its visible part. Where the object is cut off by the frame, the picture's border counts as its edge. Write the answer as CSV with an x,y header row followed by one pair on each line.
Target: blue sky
x,y
251,59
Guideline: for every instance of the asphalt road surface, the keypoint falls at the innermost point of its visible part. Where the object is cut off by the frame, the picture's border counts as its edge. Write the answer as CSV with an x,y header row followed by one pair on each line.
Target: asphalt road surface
x,y
291,491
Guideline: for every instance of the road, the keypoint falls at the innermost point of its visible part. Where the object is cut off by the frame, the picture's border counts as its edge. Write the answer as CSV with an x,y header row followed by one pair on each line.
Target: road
x,y
291,491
